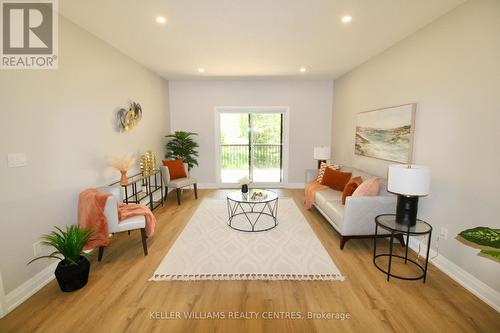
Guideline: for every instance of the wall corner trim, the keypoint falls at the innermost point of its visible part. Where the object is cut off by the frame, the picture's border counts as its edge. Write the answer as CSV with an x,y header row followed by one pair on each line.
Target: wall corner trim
x,y
295,185
3,303
30,287
462,277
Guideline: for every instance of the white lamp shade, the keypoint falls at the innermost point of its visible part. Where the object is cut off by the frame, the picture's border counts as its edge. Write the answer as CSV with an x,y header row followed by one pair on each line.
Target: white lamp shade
x,y
411,180
321,153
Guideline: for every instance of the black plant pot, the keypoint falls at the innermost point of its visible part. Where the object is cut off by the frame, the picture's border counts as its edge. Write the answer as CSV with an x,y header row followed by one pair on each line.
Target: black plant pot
x,y
72,277
244,188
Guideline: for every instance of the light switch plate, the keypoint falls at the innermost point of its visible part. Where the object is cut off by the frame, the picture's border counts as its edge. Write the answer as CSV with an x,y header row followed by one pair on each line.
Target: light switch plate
x,y
16,160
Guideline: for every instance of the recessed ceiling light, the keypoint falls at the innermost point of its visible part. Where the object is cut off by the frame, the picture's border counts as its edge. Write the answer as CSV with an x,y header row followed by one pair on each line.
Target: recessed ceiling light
x,y
346,18
201,70
161,20
302,69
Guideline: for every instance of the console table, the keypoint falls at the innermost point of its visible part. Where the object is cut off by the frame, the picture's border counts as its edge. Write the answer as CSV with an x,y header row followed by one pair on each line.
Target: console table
x,y
149,185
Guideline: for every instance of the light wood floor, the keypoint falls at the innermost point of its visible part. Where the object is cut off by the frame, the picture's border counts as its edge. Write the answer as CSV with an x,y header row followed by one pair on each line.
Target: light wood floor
x,y
119,298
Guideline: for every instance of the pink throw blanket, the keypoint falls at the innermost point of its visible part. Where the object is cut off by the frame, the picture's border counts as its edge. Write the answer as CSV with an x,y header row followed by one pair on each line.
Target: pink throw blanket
x,y
126,211
310,193
91,215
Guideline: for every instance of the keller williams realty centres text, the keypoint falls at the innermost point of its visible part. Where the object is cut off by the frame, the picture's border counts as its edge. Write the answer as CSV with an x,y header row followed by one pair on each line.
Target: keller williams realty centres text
x,y
248,315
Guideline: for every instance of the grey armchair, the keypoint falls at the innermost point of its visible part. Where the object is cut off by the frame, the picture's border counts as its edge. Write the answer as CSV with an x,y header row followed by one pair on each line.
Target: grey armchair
x,y
178,183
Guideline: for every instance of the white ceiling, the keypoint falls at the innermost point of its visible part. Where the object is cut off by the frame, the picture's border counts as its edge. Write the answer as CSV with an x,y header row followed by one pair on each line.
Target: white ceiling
x,y
253,38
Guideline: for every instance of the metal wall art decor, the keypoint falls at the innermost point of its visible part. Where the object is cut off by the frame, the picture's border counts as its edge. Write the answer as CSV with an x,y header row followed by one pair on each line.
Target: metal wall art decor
x,y
127,119
148,163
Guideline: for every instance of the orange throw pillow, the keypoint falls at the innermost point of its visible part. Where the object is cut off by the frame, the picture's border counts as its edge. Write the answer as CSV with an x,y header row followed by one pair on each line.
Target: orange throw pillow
x,y
175,168
322,168
350,187
336,179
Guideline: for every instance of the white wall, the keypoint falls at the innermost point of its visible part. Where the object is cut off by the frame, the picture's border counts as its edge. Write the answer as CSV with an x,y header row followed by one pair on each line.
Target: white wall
x,y
451,69
192,108
64,120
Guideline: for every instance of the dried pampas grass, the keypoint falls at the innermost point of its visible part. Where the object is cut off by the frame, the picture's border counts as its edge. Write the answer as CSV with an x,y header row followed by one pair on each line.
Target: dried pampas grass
x,y
123,163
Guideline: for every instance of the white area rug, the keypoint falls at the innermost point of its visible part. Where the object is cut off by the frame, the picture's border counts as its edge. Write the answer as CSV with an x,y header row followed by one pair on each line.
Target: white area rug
x,y
208,249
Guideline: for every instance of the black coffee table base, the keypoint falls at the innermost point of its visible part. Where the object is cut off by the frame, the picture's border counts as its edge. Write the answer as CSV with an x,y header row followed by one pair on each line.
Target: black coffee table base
x,y
254,211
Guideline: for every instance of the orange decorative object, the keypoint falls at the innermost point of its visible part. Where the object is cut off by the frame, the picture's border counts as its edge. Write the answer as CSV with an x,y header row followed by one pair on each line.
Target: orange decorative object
x,y
123,179
351,187
336,179
175,168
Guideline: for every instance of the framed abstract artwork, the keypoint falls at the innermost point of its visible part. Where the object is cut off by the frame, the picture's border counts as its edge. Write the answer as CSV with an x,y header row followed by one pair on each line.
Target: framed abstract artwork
x,y
387,133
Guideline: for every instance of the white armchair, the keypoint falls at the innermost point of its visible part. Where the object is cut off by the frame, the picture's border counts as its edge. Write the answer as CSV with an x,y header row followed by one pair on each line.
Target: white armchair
x,y
178,183
114,224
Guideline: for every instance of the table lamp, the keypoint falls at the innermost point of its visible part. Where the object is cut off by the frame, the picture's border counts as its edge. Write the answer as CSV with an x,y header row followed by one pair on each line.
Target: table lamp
x,y
409,182
321,154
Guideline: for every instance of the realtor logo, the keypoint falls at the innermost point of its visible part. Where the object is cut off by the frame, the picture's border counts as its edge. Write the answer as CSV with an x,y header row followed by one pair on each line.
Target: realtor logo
x,y
29,34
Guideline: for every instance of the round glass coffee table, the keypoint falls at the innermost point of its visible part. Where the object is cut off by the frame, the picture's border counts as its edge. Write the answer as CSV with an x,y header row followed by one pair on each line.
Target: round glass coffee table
x,y
251,213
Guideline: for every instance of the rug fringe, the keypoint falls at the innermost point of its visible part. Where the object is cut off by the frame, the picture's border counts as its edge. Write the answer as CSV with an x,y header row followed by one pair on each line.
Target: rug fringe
x,y
234,277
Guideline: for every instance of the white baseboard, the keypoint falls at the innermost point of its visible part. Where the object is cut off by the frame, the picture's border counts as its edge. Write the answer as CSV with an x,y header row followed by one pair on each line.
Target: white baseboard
x,y
207,185
295,185
30,287
217,186
462,277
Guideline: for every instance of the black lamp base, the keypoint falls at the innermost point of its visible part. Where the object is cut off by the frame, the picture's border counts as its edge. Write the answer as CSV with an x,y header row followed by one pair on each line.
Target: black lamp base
x,y
406,211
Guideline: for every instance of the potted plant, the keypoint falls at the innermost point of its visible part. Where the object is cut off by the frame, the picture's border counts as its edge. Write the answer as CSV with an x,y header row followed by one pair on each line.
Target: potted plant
x,y
72,271
483,238
181,146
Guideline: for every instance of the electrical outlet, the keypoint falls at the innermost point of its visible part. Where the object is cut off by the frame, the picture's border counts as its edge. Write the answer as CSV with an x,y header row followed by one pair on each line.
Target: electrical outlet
x,y
443,233
39,249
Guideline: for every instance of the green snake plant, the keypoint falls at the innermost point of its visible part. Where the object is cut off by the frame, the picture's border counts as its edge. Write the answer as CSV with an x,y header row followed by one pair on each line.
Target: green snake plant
x,y
68,243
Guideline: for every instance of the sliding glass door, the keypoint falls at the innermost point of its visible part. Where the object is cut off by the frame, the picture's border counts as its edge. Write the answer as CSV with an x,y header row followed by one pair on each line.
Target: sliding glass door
x,y
251,144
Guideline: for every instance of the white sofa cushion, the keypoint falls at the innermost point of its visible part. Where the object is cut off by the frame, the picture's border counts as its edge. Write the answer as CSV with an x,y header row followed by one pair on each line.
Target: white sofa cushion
x,y
324,196
365,176
335,211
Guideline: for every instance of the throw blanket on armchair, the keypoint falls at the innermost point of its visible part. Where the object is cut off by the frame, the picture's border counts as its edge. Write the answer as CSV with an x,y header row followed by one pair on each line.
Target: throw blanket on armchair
x,y
91,205
126,211
310,192
91,215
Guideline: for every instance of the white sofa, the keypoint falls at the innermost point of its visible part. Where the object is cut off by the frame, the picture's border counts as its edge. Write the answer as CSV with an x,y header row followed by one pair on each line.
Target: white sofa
x,y
355,219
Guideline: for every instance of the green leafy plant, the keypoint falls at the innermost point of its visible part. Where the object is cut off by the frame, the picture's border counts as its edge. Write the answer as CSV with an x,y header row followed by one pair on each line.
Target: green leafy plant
x,y
181,146
68,243
484,238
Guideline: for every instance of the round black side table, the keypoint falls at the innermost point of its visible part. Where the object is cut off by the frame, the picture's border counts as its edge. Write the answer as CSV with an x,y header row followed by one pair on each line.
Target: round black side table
x,y
388,222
